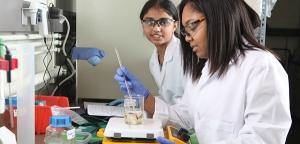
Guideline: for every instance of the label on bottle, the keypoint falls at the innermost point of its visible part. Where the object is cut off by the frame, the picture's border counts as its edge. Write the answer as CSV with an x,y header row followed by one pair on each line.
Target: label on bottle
x,y
71,134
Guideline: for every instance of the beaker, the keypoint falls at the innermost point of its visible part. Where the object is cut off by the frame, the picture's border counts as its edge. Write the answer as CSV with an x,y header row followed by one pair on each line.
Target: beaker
x,y
134,109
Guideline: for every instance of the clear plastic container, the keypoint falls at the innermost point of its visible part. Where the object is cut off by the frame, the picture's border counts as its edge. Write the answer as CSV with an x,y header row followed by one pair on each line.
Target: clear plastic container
x,y
60,131
134,109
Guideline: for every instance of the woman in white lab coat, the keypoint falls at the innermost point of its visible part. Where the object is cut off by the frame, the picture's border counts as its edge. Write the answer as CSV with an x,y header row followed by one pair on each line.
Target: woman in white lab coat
x,y
240,94
160,20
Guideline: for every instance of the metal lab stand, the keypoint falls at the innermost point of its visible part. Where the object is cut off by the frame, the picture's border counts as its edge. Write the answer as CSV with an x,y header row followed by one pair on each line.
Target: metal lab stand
x,y
261,36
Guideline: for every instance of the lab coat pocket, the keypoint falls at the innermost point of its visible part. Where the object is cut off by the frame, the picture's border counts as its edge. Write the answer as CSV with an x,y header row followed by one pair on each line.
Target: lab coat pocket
x,y
212,129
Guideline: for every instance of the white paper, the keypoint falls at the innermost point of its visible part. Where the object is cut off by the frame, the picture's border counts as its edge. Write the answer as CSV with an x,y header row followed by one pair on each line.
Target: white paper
x,y
104,110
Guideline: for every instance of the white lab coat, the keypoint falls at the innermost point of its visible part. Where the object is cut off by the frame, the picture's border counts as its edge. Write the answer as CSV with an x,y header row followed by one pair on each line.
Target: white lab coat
x,y
249,105
169,79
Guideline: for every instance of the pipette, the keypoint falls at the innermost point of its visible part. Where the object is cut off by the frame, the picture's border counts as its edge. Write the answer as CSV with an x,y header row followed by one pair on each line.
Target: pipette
x,y
120,64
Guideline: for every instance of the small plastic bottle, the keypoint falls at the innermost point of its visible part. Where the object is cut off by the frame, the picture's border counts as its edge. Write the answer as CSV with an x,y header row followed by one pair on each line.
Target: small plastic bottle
x,y
60,131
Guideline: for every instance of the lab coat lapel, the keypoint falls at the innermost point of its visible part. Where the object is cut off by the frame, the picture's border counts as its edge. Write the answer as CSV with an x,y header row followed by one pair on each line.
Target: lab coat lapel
x,y
205,77
168,57
200,110
156,68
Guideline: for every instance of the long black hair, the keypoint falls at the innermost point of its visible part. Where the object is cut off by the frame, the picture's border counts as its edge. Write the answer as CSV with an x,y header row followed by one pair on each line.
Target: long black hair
x,y
167,5
229,24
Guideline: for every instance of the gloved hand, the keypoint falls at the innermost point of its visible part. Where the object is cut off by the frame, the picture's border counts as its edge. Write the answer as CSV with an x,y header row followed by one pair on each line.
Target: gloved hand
x,y
116,102
163,140
134,84
92,55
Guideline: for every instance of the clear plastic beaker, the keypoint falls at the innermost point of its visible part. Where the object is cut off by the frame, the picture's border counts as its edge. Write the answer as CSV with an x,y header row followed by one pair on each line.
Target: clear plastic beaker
x,y
134,109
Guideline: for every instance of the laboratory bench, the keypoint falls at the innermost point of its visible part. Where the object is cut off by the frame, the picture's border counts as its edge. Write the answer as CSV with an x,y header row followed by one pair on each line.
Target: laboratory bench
x,y
95,123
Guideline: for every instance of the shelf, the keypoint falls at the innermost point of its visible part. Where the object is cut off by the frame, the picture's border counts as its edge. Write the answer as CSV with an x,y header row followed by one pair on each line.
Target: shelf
x,y
283,32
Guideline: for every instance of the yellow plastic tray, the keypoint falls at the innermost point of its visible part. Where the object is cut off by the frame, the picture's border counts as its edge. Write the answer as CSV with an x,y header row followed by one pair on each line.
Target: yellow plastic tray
x,y
109,141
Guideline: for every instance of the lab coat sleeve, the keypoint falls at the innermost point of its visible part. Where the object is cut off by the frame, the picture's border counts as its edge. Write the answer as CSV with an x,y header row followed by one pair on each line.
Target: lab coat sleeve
x,y
177,113
267,115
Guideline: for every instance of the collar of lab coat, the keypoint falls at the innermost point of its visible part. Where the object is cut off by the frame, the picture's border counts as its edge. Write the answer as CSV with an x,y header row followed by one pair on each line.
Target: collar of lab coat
x,y
231,62
205,70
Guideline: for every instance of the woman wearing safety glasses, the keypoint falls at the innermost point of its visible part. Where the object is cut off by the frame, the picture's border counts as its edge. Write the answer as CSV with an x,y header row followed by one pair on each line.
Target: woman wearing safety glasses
x,y
237,92
159,19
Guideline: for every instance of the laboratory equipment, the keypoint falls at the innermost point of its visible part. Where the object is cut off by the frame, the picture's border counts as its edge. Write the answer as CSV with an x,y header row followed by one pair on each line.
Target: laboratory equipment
x,y
10,114
25,93
3,68
43,112
60,131
121,65
83,137
92,55
118,130
64,19
8,57
179,136
7,64
76,118
133,109
37,11
3,64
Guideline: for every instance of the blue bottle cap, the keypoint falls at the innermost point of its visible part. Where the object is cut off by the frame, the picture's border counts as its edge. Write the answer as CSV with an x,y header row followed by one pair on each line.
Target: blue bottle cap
x,y
60,121
13,101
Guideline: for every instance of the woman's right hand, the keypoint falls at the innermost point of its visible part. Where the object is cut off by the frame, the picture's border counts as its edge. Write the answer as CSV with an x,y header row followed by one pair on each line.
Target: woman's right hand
x,y
123,76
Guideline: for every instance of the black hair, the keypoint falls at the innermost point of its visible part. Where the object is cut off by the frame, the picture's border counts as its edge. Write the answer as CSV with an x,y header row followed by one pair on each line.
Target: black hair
x,y
167,5
228,26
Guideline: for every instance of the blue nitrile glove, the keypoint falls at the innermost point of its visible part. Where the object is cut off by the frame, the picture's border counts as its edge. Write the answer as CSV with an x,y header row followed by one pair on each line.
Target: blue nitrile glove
x,y
94,60
92,55
134,84
163,140
116,102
